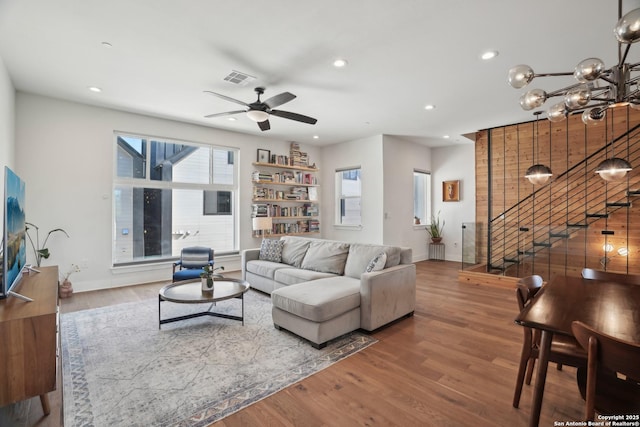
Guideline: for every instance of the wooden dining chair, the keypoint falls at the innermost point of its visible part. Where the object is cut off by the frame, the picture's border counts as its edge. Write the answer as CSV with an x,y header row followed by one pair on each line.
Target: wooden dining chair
x,y
564,350
605,390
631,279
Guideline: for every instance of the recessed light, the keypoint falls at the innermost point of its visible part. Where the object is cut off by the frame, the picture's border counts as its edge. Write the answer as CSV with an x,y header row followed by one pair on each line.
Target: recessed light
x,y
316,137
95,89
490,54
446,136
339,63
429,107
107,45
232,119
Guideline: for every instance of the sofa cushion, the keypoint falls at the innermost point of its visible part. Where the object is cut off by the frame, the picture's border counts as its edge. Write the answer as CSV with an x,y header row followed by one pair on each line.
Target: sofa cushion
x,y
294,250
377,263
361,254
271,250
326,256
319,300
292,276
264,268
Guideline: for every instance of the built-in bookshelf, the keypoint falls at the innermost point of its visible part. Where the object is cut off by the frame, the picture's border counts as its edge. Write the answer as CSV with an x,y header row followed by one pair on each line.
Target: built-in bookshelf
x,y
287,194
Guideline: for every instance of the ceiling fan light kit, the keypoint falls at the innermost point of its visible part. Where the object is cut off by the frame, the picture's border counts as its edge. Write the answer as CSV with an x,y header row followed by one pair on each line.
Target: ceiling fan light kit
x,y
597,88
259,111
257,115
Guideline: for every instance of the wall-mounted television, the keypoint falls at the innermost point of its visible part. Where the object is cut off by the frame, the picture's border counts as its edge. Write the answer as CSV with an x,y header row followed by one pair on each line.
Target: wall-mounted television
x,y
14,237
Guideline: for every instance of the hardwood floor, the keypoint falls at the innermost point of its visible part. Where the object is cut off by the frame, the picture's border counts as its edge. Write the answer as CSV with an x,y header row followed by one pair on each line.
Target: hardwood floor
x,y
453,363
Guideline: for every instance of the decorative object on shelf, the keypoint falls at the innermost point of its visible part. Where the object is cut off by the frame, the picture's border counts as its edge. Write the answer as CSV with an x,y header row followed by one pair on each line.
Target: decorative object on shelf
x,y
262,225
264,156
65,288
450,191
597,90
435,228
537,174
416,220
259,111
40,252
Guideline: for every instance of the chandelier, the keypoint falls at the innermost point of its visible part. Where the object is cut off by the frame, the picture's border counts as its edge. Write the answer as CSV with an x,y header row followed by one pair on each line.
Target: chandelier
x,y
597,88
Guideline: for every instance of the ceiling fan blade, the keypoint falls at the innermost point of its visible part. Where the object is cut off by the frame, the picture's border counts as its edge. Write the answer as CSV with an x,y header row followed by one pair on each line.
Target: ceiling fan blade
x,y
294,116
228,113
264,125
283,98
226,98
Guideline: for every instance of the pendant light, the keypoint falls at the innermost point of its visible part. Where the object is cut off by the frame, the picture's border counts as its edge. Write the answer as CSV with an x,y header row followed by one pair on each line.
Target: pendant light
x,y
614,168
537,174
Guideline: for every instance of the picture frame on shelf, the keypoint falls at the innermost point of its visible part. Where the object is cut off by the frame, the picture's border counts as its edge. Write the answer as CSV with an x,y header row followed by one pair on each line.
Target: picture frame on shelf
x,y
264,156
450,191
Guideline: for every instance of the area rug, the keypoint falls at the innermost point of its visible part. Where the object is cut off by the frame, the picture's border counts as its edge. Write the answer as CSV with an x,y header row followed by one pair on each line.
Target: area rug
x,y
119,369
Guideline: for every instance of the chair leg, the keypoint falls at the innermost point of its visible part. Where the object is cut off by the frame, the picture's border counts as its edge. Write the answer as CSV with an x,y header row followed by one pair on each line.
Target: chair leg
x,y
532,364
524,361
559,366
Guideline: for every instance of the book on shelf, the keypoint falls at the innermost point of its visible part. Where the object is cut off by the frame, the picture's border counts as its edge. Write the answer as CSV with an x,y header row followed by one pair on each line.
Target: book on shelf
x,y
312,194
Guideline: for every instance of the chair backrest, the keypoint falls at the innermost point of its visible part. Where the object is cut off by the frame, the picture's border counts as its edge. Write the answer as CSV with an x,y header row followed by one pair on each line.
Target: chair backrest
x,y
614,354
526,289
631,279
196,256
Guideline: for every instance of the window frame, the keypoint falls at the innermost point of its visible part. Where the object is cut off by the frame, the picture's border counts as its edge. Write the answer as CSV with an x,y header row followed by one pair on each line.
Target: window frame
x,y
355,172
427,197
146,182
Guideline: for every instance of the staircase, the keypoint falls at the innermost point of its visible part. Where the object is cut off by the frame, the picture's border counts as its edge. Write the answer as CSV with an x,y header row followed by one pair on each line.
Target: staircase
x,y
569,205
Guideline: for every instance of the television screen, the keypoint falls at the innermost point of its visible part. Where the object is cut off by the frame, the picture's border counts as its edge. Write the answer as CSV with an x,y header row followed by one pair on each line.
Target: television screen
x,y
15,250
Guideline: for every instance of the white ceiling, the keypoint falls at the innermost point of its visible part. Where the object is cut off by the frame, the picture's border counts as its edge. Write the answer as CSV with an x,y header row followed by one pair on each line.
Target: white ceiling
x,y
403,54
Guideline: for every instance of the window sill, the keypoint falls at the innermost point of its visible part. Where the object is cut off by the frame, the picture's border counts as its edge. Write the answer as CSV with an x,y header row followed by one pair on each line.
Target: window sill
x,y
347,227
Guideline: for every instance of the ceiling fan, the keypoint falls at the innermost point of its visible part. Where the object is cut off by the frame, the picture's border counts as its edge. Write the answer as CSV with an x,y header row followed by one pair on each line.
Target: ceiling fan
x,y
259,111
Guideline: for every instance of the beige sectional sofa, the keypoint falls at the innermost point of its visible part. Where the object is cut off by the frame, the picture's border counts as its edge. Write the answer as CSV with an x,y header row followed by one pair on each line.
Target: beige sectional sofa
x,y
321,289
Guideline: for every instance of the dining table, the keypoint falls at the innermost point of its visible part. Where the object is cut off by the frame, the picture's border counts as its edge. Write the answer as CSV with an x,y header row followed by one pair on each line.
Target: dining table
x,y
613,308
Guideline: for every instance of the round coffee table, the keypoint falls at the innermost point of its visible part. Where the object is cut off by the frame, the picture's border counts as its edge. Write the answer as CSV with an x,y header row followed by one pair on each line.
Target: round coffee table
x,y
190,292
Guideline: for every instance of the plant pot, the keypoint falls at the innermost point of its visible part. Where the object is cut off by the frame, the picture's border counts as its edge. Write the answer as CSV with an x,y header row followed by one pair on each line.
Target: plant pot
x,y
65,290
207,284
436,239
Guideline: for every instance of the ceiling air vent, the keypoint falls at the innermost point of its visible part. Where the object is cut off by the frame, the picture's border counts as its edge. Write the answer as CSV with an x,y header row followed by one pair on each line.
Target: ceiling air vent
x,y
239,78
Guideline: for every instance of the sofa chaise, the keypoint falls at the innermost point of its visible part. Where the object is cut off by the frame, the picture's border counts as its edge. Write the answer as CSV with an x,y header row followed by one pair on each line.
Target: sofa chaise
x,y
322,289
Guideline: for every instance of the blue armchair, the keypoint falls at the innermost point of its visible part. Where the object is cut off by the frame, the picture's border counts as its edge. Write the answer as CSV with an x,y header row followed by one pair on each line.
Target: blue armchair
x,y
191,262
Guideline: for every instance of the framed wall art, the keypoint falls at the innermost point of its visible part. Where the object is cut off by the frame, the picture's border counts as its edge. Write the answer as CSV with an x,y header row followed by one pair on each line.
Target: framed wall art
x,y
450,191
264,156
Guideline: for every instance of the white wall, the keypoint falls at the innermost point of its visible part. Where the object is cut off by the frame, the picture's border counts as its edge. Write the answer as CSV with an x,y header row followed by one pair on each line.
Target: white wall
x,y
401,157
368,154
65,154
452,163
7,121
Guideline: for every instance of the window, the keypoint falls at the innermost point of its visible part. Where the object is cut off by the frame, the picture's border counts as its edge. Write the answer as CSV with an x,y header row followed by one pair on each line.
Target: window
x,y
172,194
348,197
421,197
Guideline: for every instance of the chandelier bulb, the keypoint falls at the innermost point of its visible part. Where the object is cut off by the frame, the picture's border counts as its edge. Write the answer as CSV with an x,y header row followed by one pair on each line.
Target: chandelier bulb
x,y
520,76
627,29
589,70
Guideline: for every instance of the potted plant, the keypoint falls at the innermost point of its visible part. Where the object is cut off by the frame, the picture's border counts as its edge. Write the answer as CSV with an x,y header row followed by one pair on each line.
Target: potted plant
x,y
38,251
207,277
435,228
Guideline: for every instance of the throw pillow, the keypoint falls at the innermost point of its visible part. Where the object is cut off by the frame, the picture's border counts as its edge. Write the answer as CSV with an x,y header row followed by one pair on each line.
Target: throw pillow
x,y
377,262
271,250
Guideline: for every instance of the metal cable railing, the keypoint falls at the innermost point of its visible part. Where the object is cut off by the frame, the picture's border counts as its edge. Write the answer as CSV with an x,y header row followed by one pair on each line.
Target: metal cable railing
x,y
551,214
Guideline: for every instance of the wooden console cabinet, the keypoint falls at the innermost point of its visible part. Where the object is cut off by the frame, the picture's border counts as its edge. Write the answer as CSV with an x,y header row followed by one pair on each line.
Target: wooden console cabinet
x,y
28,339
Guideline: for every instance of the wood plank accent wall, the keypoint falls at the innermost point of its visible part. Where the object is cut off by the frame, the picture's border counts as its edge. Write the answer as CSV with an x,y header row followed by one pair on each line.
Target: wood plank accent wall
x,y
506,152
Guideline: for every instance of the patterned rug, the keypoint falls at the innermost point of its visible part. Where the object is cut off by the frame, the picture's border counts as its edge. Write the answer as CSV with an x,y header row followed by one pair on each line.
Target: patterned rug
x,y
119,369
